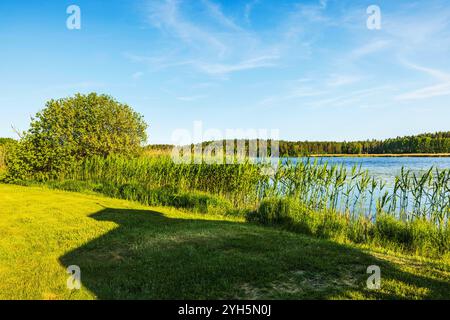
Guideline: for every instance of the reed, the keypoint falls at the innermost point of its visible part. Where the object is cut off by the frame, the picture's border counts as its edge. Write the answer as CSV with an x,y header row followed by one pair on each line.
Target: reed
x,y
350,192
307,196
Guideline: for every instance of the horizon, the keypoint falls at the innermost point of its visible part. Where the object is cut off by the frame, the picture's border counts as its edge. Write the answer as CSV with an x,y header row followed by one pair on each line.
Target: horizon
x,y
311,69
304,141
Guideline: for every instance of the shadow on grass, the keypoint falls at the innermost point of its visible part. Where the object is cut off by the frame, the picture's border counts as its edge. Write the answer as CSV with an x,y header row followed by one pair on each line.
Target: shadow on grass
x,y
149,256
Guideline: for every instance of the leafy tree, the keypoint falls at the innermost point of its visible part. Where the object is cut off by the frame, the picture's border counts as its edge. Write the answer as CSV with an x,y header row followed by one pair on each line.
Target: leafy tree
x,y
71,129
4,141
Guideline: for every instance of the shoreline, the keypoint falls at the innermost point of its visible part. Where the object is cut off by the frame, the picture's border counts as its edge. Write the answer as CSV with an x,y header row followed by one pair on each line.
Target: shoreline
x,y
386,155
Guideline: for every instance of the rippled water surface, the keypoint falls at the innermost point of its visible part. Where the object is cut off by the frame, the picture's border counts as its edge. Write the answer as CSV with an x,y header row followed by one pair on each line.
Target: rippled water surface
x,y
388,167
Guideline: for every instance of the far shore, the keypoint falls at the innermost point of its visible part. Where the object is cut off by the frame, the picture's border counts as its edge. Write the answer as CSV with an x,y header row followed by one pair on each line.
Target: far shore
x,y
387,155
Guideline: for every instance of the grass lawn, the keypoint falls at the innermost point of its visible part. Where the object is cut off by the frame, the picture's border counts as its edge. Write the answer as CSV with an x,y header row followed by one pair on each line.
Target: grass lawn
x,y
129,251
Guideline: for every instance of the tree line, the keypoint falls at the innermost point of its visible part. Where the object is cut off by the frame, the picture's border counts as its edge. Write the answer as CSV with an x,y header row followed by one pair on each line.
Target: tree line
x,y
438,142
433,143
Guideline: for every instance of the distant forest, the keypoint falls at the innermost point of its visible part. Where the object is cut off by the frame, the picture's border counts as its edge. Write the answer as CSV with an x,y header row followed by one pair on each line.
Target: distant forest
x,y
438,142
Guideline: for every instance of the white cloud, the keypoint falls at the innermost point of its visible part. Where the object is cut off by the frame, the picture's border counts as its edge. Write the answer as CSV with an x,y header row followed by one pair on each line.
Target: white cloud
x,y
443,76
216,12
439,89
215,49
166,15
191,98
352,99
427,23
253,63
442,89
337,80
369,48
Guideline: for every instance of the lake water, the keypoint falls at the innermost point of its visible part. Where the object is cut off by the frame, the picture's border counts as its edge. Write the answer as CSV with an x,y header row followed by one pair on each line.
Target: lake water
x,y
387,168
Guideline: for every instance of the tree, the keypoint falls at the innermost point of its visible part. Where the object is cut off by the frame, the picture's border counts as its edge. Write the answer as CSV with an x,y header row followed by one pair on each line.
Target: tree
x,y
5,141
71,129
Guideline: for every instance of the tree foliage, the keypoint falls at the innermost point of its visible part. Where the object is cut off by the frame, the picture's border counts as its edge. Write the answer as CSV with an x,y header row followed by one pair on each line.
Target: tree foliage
x,y
71,129
438,142
5,141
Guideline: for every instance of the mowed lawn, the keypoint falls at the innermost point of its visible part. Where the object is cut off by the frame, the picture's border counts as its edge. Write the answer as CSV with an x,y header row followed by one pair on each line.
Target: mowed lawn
x,y
129,251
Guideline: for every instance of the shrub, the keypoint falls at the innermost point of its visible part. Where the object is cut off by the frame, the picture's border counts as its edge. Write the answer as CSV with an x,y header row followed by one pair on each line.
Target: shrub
x,y
274,211
2,158
388,229
419,236
72,129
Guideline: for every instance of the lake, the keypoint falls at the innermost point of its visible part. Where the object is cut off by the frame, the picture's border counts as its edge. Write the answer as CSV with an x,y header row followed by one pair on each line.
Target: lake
x,y
387,168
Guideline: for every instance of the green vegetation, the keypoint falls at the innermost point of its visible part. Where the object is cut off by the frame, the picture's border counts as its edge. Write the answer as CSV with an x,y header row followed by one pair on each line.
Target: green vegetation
x,y
307,197
427,143
417,236
5,144
92,144
2,159
128,251
438,142
69,130
4,141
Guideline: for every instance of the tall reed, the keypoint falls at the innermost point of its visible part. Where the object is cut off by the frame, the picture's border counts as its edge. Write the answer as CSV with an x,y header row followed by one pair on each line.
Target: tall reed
x,y
347,191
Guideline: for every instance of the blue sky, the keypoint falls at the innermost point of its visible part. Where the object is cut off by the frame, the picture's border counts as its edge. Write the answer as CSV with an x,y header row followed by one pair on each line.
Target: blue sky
x,y
311,69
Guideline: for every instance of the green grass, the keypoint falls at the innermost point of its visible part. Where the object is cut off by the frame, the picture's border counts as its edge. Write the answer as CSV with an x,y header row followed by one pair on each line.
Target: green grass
x,y
129,251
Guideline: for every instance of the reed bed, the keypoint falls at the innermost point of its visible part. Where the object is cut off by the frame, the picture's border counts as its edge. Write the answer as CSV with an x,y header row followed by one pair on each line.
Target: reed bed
x,y
355,193
238,183
350,192
328,201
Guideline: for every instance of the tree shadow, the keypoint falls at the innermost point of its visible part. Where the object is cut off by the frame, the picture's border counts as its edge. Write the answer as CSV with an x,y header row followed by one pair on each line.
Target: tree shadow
x,y
150,256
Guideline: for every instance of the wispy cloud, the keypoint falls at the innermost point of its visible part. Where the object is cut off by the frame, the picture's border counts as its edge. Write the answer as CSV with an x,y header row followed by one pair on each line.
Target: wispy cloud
x,y
442,89
253,63
213,47
297,93
369,48
438,74
427,23
436,90
350,99
337,80
216,12
166,15
191,98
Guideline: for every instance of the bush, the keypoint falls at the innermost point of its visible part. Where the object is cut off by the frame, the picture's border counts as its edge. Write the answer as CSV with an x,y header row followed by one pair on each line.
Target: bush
x,y
419,236
294,216
2,158
274,211
72,129
389,229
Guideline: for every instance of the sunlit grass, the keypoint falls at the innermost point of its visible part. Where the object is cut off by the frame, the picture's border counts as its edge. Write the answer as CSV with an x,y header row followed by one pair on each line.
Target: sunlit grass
x,y
126,250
